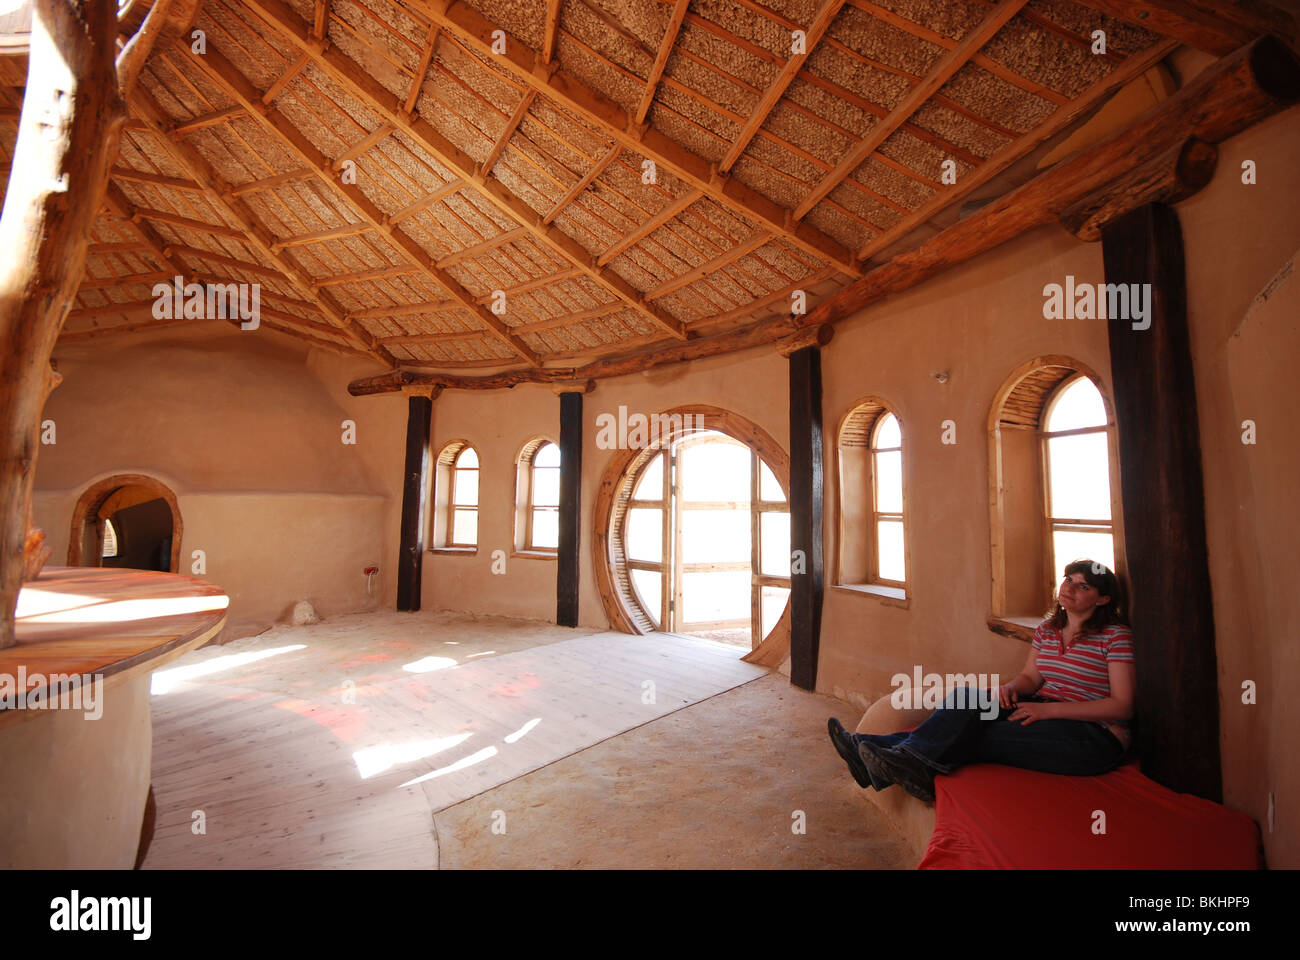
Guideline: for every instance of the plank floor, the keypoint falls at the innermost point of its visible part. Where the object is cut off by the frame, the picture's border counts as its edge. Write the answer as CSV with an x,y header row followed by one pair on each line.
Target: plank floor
x,y
321,747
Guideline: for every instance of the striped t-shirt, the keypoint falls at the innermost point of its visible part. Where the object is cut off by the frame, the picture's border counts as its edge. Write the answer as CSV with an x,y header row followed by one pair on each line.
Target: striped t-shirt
x,y
1081,672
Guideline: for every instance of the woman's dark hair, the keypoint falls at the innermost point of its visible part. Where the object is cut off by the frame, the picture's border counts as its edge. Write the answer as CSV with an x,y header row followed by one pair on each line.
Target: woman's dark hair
x,y
1108,584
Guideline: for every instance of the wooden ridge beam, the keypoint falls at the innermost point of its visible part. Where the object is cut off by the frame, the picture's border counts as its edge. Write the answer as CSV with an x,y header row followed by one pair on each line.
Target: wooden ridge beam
x,y
660,61
952,61
1128,71
256,235
473,31
353,78
776,90
235,85
1224,99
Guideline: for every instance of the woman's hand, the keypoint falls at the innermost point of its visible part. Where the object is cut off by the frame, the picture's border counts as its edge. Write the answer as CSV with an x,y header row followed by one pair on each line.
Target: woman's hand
x,y
1030,711
1007,694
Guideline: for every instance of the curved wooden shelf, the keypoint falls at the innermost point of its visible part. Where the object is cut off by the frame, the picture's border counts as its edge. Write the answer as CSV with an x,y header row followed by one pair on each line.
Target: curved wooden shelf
x,y
110,622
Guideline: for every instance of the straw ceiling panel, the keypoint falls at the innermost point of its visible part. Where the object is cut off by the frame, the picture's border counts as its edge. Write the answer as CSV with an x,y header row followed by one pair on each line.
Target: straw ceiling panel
x,y
526,177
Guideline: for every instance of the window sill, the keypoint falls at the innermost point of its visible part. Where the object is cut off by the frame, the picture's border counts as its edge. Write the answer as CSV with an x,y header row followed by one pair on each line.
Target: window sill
x,y
536,554
890,596
1017,628
455,551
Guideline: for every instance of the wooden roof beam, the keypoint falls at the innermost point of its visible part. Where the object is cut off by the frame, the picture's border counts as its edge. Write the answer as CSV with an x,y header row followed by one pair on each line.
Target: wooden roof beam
x,y
634,237
473,31
576,190
1217,28
1128,71
661,60
181,127
352,77
256,235
156,179
511,126
1221,101
551,28
711,266
239,88
938,39
333,233
175,220
426,57
233,263
270,183
956,57
776,90
411,209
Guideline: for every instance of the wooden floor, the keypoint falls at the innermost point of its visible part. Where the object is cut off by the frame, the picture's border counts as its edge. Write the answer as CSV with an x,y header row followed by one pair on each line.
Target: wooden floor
x,y
314,747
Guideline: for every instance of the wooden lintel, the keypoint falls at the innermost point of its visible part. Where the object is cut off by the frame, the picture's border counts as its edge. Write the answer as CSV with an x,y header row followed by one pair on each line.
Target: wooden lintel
x,y
807,337
577,386
1174,175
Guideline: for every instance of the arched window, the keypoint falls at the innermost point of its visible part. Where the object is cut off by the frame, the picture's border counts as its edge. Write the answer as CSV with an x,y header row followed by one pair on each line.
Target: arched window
x,y
537,497
1052,484
110,540
1076,465
699,533
872,545
455,514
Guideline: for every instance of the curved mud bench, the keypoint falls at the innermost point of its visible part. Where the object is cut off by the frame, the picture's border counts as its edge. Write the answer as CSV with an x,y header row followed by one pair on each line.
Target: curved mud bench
x,y
77,774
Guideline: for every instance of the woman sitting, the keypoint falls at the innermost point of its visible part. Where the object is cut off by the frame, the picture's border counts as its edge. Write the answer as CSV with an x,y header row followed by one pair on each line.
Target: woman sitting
x,y
1067,712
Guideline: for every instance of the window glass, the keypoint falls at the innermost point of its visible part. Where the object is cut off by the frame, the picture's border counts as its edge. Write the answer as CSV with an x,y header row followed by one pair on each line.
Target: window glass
x,y
1078,405
651,484
547,455
889,482
888,433
1080,477
546,529
889,543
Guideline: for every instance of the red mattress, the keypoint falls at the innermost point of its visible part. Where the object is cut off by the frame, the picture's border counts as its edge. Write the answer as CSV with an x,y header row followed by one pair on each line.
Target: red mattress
x,y
991,816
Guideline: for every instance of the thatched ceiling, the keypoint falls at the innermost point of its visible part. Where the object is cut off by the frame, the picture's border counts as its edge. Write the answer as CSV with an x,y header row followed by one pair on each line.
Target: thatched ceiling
x,y
522,172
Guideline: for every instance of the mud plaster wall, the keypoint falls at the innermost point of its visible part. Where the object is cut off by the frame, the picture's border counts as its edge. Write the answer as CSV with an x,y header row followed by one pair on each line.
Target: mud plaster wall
x,y
246,431
978,322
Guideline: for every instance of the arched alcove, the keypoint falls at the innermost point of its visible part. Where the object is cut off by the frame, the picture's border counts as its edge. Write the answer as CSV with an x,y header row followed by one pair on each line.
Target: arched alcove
x,y
107,497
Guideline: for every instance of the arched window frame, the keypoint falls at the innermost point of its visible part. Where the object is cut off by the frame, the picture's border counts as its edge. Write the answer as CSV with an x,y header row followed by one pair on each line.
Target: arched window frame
x,y
857,517
525,507
444,482
1023,584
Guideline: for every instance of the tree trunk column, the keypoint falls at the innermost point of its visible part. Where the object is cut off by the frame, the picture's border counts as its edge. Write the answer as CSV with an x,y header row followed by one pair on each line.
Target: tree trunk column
x,y
566,576
1177,733
415,500
806,575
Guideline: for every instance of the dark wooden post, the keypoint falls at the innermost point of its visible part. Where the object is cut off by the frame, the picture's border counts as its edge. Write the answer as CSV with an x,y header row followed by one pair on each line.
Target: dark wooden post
x,y
1177,732
566,576
805,514
415,501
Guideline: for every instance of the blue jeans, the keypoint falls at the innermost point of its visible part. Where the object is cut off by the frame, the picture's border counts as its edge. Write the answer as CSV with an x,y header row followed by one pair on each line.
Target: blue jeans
x,y
952,737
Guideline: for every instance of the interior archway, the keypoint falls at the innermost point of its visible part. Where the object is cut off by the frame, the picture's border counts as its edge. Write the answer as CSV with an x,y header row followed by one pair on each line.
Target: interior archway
x,y
136,515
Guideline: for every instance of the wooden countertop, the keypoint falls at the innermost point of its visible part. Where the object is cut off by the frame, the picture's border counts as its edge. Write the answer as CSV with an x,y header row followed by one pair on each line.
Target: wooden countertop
x,y
91,620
